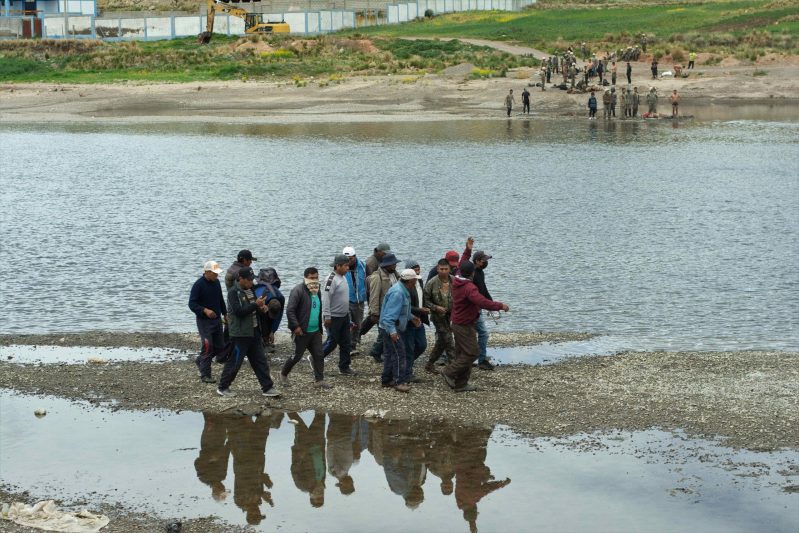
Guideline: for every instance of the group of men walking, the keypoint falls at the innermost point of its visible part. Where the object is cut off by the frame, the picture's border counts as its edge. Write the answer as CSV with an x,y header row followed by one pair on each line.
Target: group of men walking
x,y
351,300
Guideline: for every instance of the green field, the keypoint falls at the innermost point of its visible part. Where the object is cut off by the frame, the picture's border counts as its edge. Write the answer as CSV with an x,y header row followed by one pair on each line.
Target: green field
x,y
746,30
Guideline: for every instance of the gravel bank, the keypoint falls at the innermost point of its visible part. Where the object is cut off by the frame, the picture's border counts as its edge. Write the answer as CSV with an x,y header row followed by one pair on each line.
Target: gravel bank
x,y
750,399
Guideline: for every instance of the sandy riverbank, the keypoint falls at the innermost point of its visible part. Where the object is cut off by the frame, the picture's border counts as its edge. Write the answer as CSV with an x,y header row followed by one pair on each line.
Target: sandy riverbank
x,y
370,99
750,399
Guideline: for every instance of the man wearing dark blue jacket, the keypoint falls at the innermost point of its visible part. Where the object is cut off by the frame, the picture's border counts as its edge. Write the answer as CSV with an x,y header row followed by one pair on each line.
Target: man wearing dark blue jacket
x,y
208,305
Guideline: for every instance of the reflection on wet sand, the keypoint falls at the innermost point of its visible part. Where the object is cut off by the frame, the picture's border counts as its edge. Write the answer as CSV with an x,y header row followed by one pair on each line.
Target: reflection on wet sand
x,y
333,444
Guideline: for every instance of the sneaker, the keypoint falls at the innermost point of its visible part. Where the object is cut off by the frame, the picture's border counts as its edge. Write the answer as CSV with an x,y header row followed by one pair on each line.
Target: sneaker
x,y
284,380
402,387
348,372
322,385
225,392
271,393
466,388
207,379
449,381
485,365
414,379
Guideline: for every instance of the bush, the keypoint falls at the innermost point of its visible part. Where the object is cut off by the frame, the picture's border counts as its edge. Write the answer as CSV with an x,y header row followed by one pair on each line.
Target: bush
x,y
760,73
428,14
678,55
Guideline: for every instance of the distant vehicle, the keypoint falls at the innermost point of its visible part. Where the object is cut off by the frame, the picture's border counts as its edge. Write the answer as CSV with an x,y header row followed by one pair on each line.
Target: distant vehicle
x,y
253,22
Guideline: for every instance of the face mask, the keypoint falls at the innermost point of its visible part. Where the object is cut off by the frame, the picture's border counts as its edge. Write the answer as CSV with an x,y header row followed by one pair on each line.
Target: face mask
x,y
312,284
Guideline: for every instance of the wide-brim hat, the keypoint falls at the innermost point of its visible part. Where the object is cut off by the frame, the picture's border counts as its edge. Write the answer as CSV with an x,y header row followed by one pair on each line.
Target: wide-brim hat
x,y
389,259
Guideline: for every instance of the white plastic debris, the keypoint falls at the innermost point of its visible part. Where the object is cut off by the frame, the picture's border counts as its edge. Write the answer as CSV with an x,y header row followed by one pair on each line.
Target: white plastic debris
x,y
45,515
375,413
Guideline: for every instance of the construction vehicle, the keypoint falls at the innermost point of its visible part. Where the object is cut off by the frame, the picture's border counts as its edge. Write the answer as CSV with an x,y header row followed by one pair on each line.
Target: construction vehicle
x,y
253,22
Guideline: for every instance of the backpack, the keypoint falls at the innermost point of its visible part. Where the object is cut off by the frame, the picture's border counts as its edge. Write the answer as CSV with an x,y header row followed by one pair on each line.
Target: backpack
x,y
268,276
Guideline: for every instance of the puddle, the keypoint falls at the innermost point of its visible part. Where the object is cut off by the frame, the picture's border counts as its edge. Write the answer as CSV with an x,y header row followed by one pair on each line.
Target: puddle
x,y
83,354
548,353
331,472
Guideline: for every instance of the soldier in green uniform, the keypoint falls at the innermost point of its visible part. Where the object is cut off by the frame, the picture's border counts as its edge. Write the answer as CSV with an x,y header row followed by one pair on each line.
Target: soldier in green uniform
x,y
438,298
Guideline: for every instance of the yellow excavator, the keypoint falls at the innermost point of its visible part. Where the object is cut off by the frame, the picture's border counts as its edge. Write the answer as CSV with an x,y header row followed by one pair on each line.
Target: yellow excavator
x,y
253,22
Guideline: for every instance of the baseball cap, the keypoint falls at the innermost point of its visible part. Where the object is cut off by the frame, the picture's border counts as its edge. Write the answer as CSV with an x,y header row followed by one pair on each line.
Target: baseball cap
x,y
409,274
349,251
246,254
340,259
212,266
383,247
273,308
245,273
481,255
452,257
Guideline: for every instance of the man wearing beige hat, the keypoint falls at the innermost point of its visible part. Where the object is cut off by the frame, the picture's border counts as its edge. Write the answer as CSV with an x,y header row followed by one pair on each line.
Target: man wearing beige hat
x,y
395,317
208,305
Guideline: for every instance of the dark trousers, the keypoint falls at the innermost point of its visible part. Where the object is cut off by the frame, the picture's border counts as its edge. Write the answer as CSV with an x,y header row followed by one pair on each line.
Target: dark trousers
x,y
377,347
629,78
466,352
526,106
613,79
690,64
313,343
509,110
394,360
415,344
613,109
339,335
211,343
253,349
356,312
592,112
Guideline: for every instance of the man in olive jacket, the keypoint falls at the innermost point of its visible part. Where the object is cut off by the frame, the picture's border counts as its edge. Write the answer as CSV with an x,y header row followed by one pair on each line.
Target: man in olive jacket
x,y
246,335
380,282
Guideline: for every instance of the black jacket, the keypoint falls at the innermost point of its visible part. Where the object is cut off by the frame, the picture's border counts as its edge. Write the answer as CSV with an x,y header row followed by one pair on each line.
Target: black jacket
x,y
479,279
298,310
416,305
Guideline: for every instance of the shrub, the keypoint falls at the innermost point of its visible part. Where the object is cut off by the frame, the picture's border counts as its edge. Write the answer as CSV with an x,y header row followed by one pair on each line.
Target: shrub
x,y
428,14
678,55
760,72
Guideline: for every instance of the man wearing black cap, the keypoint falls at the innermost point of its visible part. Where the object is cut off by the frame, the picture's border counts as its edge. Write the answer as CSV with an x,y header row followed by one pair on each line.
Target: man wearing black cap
x,y
480,260
373,261
244,259
379,283
336,311
243,308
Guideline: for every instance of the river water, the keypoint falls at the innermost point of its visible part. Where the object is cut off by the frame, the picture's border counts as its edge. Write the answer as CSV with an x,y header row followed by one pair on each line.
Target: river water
x,y
667,236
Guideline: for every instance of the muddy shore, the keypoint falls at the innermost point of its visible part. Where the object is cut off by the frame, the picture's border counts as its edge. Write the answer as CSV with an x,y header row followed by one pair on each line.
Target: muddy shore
x,y
748,399
450,95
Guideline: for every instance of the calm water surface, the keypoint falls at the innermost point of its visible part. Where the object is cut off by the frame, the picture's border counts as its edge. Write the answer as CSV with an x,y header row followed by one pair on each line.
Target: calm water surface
x,y
664,237
316,471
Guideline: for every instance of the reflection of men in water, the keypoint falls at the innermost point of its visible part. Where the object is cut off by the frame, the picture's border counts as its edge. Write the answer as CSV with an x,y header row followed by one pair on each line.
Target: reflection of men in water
x,y
308,457
440,455
341,446
473,479
211,464
248,444
403,462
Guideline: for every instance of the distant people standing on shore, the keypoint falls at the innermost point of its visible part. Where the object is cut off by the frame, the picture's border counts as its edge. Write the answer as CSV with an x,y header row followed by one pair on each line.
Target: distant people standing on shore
x,y
628,104
467,303
304,315
584,50
525,101
636,101
246,336
555,66
623,102
675,103
613,100
543,75
243,259
644,42
572,73
509,101
654,68
691,60
629,73
613,70
652,101
548,66
208,305
592,106
606,104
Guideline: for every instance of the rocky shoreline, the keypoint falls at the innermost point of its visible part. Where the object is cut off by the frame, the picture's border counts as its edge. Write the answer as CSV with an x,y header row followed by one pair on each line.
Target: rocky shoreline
x,y
748,399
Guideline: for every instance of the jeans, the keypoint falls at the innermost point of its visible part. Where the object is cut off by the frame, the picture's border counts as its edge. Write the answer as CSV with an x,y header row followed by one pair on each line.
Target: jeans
x,y
313,343
253,349
415,344
377,347
212,343
339,335
482,337
394,360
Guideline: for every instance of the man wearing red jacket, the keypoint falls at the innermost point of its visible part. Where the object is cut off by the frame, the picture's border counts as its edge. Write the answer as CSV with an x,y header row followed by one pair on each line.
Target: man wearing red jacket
x,y
466,305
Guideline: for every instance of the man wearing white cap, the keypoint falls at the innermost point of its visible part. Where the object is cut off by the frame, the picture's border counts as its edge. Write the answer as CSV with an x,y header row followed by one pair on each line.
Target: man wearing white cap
x,y
356,279
208,305
395,314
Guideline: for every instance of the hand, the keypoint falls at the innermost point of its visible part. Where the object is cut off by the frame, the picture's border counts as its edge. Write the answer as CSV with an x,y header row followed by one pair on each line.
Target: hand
x,y
470,243
298,331
328,322
260,301
424,310
505,307
442,309
416,321
394,337
209,313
